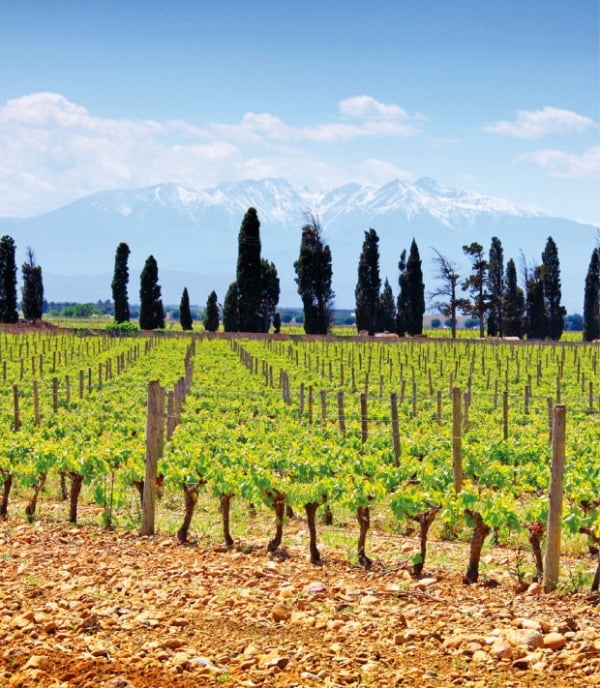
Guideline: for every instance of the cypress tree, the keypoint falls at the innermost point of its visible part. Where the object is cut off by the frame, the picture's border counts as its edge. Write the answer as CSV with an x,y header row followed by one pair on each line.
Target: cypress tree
x,y
591,299
386,310
313,277
367,287
231,313
552,293
185,313
269,294
514,304
476,283
249,273
495,286
211,317
403,296
537,319
119,283
32,293
8,281
152,315
415,303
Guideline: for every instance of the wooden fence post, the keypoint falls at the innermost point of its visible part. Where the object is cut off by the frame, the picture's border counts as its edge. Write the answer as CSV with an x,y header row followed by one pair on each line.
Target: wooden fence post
x,y
552,560
16,417
364,420
341,414
457,438
154,441
395,428
36,403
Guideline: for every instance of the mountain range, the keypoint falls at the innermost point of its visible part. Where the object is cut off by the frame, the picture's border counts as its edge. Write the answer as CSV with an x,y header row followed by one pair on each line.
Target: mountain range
x,y
193,235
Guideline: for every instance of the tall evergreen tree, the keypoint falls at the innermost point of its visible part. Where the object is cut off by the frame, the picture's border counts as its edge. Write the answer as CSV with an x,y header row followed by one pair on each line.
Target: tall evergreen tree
x,y
152,315
591,299
552,292
119,283
32,293
475,284
211,317
231,312
537,319
8,281
313,277
386,310
249,273
495,287
269,295
367,287
415,300
185,312
403,296
513,304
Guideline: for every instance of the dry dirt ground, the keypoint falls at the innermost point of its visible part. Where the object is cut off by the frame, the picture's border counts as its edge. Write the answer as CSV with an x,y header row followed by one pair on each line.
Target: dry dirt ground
x,y
95,609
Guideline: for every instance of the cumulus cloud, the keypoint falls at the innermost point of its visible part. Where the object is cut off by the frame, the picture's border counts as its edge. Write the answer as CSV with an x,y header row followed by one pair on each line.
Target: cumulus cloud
x,y
374,119
565,165
533,124
53,151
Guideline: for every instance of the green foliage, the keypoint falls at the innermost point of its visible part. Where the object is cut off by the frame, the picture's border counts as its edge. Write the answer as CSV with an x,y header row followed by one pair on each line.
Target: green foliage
x,y
552,292
248,275
8,281
185,314
537,316
269,294
386,310
513,304
122,328
313,276
591,299
211,317
496,287
476,284
411,299
152,315
367,287
119,284
32,294
231,311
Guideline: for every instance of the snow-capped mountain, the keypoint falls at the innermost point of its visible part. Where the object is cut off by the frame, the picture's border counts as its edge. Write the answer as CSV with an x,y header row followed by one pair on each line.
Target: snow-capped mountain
x,y
193,235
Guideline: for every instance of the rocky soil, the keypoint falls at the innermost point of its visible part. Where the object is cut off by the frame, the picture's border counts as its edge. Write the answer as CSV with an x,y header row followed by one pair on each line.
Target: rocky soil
x,y
90,608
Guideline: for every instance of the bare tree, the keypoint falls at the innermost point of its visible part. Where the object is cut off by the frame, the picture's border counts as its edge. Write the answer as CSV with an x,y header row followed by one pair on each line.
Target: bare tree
x,y
449,303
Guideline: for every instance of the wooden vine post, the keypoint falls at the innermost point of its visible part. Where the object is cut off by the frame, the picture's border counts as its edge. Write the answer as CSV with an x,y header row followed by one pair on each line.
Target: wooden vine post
x,y
154,443
551,563
395,428
457,438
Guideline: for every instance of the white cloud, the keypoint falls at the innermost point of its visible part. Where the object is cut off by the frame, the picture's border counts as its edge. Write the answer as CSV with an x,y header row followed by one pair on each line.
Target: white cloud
x,y
53,151
533,124
565,165
375,119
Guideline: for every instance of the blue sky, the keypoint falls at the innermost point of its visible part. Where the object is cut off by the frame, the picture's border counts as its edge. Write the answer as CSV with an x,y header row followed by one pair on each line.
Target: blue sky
x,y
496,97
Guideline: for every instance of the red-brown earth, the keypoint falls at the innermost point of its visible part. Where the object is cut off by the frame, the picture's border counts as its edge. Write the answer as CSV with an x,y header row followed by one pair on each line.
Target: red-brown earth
x,y
90,608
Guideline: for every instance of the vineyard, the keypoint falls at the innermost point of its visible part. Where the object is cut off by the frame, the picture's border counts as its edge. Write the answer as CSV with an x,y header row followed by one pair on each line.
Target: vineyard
x,y
424,445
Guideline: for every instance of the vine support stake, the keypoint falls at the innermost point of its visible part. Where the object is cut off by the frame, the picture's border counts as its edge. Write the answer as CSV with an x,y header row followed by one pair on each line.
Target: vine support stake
x,y
551,564
154,442
341,413
364,419
395,428
457,438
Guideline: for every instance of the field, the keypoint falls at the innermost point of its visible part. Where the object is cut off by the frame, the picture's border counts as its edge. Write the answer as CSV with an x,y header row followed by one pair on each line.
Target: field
x,y
313,526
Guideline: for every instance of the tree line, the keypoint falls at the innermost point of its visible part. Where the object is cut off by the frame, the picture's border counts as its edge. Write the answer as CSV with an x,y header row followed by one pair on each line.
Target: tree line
x,y
489,293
